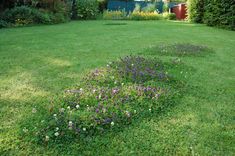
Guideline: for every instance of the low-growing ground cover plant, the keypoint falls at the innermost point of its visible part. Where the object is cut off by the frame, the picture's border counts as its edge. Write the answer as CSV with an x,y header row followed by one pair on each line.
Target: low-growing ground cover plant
x,y
179,49
105,98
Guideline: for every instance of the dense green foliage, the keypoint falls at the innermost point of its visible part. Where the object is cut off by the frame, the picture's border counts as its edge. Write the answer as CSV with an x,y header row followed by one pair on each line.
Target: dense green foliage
x,y
3,23
219,13
24,15
39,63
195,10
87,9
169,16
28,15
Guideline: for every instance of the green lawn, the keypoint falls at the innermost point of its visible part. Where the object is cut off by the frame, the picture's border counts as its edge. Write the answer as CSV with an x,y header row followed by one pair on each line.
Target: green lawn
x,y
38,63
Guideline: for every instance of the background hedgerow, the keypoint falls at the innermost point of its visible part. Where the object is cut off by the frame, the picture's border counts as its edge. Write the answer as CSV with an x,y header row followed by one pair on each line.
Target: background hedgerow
x,y
105,98
219,13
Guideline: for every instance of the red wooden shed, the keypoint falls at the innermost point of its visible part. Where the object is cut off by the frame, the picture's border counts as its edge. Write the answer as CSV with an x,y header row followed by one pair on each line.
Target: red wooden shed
x,y
180,11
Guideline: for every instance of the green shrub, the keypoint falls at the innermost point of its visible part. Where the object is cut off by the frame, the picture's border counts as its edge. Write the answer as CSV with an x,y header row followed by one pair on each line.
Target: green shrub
x,y
102,5
195,10
3,24
137,8
114,15
150,8
87,9
58,18
24,15
169,16
220,13
166,7
19,15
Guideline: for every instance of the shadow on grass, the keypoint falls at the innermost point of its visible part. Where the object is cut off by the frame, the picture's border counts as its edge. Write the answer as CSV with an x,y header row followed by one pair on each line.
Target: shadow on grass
x,y
116,23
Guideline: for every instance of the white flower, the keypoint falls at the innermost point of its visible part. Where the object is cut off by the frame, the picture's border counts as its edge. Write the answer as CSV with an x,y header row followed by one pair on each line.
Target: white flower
x,y
115,82
57,128
47,138
99,96
84,129
94,90
68,107
107,65
34,110
77,106
132,65
57,134
122,84
70,128
150,109
70,123
62,110
25,130
81,89
135,111
112,123
55,115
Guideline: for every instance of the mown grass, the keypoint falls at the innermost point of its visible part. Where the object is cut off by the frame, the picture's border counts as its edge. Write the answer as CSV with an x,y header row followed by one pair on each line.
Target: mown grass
x,y
39,63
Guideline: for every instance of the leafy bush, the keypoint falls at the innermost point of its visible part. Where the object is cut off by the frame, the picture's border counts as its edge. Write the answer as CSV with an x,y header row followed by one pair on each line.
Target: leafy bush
x,y
106,98
87,9
24,15
169,16
145,16
19,15
150,8
220,13
195,10
166,7
114,15
214,13
102,5
137,8
3,24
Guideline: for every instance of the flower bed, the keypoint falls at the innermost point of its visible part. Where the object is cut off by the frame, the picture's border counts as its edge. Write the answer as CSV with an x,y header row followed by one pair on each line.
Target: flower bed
x,y
105,98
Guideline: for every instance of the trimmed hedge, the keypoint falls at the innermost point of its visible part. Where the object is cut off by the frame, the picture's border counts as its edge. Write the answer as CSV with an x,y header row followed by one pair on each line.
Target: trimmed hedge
x,y
220,13
195,10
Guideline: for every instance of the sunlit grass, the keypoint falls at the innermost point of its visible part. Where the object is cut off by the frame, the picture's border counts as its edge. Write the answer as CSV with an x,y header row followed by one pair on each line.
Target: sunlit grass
x,y
39,63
